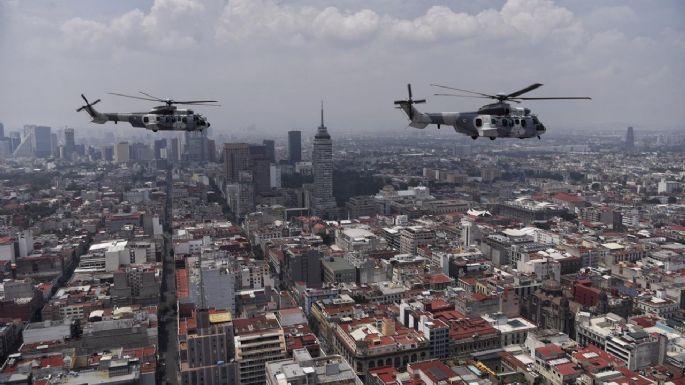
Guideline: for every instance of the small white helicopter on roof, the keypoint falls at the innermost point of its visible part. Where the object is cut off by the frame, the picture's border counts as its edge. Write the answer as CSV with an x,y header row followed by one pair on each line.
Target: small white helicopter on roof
x,y
496,120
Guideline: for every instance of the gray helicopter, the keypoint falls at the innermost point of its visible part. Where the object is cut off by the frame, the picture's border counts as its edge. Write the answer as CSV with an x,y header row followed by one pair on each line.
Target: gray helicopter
x,y
160,118
496,120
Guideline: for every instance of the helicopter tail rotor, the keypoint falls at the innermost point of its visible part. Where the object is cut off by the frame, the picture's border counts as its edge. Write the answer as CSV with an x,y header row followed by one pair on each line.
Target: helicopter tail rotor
x,y
409,102
88,106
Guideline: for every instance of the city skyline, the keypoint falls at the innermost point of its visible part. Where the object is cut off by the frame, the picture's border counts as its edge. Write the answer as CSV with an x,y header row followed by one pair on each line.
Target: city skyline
x,y
371,49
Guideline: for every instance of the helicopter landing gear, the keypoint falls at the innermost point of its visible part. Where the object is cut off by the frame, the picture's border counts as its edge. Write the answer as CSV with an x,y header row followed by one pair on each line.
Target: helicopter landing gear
x,y
474,137
539,138
492,138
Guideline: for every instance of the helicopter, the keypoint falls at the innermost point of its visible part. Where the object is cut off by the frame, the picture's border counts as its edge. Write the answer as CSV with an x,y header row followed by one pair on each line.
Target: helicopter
x,y
165,118
495,120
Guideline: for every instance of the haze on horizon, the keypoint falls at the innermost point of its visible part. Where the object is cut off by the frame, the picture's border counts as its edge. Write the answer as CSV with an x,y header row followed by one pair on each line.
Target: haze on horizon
x,y
269,62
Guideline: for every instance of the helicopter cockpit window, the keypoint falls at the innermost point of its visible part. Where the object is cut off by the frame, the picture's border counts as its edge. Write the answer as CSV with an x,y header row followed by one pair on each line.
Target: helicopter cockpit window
x,y
479,122
190,112
535,119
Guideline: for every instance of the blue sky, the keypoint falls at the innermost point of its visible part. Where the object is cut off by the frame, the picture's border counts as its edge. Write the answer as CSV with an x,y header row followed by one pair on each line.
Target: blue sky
x,y
270,62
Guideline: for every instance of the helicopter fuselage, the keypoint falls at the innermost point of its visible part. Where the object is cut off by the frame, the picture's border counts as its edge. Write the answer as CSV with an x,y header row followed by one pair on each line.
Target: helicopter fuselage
x,y
163,118
497,120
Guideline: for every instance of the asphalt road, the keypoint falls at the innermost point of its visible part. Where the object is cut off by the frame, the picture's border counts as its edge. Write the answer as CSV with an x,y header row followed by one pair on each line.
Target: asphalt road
x,y
168,328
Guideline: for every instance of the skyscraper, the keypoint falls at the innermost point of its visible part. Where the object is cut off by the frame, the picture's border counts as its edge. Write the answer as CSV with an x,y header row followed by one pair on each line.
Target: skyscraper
x,y
2,131
630,140
323,203
270,150
159,145
236,159
259,164
69,144
294,146
175,154
195,146
121,152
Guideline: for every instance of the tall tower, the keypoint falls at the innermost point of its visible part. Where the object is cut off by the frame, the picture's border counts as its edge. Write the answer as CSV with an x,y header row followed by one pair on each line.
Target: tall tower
x,y
630,140
294,146
323,203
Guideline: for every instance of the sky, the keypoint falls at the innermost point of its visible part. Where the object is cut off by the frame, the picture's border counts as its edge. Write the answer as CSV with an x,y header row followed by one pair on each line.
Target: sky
x,y
270,62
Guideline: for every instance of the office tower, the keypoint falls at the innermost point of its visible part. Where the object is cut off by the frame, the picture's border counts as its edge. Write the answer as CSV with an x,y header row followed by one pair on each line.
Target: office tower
x,y
108,153
294,146
630,140
236,159
69,144
275,176
195,146
38,139
270,149
2,130
322,164
207,348
259,164
121,152
159,145
211,150
175,155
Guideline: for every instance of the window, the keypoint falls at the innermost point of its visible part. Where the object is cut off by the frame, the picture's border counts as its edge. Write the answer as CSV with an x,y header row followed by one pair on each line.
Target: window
x,y
516,121
479,122
159,119
504,122
145,119
184,120
523,122
493,122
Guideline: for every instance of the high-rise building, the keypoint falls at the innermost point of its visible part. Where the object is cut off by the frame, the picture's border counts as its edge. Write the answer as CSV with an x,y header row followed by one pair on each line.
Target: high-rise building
x,y
206,349
159,145
36,141
630,140
108,153
2,130
270,149
211,150
259,164
175,154
236,159
67,150
323,203
121,152
294,146
195,146
257,341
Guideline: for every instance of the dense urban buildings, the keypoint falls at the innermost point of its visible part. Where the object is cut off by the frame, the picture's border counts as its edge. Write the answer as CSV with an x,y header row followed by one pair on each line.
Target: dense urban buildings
x,y
143,260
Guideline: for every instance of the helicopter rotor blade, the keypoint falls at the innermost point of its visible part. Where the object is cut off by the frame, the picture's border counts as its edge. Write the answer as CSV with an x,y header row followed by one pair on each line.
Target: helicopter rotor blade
x,y
420,101
198,104
154,97
464,96
459,89
559,98
524,90
95,102
194,101
84,98
409,90
134,97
